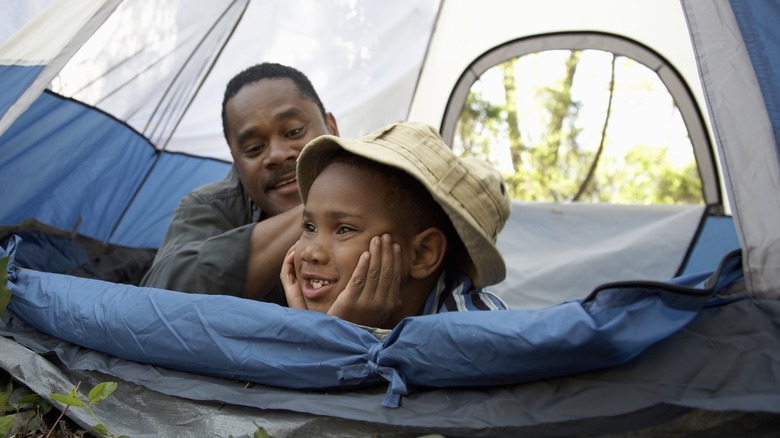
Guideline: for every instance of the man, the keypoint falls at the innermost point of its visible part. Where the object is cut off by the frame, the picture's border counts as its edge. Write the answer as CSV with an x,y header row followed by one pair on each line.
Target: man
x,y
231,236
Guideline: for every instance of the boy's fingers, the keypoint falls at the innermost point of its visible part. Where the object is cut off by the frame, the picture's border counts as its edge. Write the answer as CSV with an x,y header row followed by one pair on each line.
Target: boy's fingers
x,y
373,271
357,283
292,290
396,281
388,267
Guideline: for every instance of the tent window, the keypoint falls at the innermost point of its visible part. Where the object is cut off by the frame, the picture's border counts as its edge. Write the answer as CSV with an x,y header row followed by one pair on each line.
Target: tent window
x,y
583,124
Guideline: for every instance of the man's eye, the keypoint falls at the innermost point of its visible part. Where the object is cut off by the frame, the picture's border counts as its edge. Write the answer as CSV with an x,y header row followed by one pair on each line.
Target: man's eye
x,y
294,132
254,149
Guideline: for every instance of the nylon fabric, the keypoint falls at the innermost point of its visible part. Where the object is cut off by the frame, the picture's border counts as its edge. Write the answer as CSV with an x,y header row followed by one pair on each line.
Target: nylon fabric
x,y
268,344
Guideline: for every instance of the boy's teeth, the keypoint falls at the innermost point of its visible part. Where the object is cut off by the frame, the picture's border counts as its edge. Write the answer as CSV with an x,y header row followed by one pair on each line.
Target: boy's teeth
x,y
316,284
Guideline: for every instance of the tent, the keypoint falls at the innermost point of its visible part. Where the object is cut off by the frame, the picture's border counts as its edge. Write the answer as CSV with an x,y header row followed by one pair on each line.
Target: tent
x,y
109,114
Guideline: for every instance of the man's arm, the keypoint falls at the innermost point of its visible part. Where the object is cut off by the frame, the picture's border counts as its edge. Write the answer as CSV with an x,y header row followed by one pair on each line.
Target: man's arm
x,y
205,250
270,241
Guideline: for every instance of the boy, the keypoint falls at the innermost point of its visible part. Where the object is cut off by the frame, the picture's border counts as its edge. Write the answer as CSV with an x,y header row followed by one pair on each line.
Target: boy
x,y
395,225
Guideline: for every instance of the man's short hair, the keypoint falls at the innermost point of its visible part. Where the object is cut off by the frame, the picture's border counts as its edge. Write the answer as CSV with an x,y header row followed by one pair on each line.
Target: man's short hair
x,y
269,70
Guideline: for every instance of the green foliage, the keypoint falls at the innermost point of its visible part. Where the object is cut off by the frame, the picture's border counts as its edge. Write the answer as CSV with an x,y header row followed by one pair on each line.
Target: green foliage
x,y
5,294
99,393
6,423
23,411
260,432
647,178
553,162
25,414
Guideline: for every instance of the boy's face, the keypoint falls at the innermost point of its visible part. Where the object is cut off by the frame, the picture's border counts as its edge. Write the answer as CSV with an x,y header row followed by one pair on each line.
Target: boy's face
x,y
345,209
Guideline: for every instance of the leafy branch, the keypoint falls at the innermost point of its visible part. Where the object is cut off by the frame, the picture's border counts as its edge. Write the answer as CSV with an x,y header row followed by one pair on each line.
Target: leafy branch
x,y
99,393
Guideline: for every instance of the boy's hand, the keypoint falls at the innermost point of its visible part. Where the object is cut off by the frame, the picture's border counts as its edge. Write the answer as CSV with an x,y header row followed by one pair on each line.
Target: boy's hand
x,y
374,290
292,289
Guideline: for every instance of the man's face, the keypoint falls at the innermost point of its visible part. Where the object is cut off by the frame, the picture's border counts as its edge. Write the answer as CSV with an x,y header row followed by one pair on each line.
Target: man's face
x,y
268,123
346,208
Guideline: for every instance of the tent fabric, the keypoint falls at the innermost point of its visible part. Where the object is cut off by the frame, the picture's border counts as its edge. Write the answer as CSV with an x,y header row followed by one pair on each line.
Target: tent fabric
x,y
268,344
363,58
31,57
758,25
105,161
84,192
721,364
144,161
740,122
555,252
147,62
378,63
52,250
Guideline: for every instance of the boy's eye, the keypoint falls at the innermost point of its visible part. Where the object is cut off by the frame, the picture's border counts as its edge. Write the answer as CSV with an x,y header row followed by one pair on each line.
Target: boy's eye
x,y
344,229
309,227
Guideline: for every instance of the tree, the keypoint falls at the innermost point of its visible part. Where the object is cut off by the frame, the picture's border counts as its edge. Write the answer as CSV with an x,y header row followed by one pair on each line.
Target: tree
x,y
554,165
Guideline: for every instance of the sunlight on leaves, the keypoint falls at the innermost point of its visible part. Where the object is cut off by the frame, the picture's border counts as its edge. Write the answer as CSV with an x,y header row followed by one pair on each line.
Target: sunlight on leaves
x,y
580,125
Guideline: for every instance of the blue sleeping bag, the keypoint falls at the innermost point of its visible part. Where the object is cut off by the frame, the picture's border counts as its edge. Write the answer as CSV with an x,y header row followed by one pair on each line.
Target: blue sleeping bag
x,y
235,338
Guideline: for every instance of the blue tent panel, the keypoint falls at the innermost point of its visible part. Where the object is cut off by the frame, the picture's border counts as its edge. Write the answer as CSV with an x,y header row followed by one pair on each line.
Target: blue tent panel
x,y
716,238
173,176
90,178
14,80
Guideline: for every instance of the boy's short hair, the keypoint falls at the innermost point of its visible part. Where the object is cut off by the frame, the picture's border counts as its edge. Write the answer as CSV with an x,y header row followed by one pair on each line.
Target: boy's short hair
x,y
407,200
469,191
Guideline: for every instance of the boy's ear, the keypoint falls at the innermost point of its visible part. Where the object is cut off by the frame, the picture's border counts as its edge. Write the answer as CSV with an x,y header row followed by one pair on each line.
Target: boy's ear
x,y
429,248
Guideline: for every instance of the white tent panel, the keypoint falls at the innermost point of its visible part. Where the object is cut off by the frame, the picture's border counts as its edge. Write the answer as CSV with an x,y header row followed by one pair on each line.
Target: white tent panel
x,y
49,40
458,41
145,64
365,72
17,14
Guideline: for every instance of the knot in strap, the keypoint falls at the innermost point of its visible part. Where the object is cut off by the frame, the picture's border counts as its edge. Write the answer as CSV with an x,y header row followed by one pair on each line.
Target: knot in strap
x,y
356,374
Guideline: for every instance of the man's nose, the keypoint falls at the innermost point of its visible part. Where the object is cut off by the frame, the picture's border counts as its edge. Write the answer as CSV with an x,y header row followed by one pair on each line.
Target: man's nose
x,y
280,151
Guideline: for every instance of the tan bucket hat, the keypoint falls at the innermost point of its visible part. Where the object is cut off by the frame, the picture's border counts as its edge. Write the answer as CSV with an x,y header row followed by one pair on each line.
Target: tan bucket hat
x,y
469,190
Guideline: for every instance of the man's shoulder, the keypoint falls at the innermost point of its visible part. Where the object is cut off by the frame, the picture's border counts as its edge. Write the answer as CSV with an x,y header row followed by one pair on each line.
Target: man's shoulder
x,y
224,189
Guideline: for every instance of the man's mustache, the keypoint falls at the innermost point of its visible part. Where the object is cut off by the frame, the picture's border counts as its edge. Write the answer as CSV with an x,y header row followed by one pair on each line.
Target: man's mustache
x,y
278,175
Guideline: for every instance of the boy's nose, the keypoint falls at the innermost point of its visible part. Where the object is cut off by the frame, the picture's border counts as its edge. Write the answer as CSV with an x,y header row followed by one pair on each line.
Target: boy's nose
x,y
314,252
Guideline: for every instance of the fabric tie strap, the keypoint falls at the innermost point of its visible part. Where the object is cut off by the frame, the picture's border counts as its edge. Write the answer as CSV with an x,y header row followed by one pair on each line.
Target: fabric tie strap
x,y
356,374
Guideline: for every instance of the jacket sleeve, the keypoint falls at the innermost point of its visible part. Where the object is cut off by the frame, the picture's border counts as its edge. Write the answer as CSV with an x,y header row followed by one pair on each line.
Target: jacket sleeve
x,y
205,249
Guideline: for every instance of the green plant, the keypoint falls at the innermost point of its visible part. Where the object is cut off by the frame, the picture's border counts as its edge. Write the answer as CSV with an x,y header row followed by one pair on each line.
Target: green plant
x,y
5,294
22,411
259,433
99,393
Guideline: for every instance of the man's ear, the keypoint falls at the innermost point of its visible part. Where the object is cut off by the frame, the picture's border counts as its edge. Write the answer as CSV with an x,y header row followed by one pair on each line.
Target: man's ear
x,y
429,249
332,126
